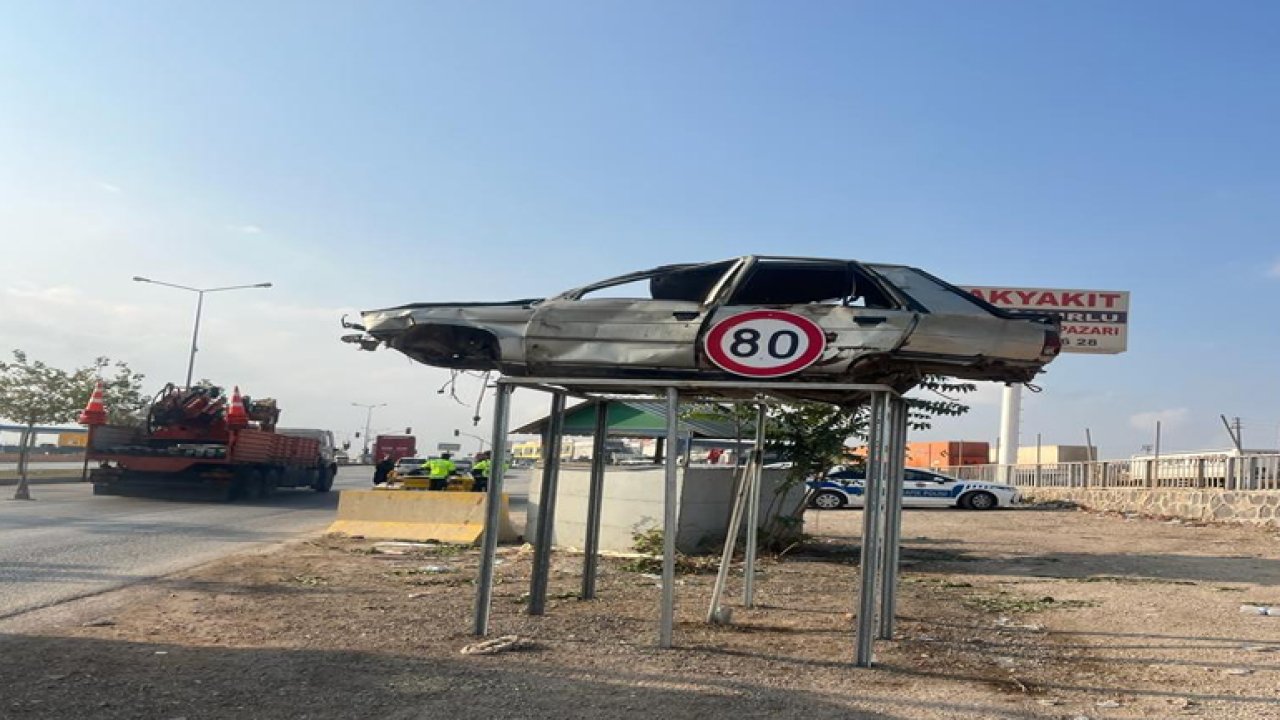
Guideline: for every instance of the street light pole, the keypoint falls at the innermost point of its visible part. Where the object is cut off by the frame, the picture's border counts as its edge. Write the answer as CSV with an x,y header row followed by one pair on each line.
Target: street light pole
x,y
456,433
368,421
195,333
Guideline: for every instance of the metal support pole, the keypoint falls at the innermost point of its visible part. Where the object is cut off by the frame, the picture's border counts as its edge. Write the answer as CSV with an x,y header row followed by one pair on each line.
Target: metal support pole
x,y
755,474
595,499
492,510
669,520
195,334
893,515
1155,480
547,508
873,496
741,491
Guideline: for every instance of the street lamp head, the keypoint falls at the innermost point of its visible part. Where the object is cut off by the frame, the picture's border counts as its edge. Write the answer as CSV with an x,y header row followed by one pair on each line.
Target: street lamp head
x,y
263,285
138,278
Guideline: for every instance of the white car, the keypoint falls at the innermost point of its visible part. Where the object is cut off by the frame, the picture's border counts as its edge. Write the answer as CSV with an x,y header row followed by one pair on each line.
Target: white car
x,y
920,488
744,319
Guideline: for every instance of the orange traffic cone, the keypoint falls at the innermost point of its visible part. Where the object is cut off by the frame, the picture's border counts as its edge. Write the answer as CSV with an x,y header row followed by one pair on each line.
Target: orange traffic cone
x,y
95,413
237,418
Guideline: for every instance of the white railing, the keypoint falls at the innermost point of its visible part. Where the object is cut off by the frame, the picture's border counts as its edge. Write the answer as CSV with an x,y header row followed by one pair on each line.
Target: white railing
x,y
1248,472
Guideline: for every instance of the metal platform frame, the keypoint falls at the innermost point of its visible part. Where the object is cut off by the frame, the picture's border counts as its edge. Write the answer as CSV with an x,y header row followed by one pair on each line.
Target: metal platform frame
x,y
882,514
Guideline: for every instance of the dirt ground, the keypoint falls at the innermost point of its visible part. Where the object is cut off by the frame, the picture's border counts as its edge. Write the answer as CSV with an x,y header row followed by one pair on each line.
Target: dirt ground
x,y
1030,613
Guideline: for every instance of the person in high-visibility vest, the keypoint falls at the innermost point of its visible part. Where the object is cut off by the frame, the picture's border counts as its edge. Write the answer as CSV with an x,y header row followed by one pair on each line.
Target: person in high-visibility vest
x,y
480,472
438,471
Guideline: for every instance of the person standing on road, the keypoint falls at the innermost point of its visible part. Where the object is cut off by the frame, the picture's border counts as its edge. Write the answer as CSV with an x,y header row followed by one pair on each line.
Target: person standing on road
x,y
383,469
439,469
480,472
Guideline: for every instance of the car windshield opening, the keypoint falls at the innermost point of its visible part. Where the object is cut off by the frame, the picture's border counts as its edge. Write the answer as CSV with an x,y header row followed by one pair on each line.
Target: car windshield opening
x,y
789,283
933,295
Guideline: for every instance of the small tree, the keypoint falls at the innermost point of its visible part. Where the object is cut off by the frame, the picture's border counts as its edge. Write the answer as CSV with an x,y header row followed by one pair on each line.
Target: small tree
x,y
814,436
33,393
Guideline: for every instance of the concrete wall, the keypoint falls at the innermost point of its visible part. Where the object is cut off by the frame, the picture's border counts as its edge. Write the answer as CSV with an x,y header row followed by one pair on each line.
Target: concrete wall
x,y
1249,506
633,504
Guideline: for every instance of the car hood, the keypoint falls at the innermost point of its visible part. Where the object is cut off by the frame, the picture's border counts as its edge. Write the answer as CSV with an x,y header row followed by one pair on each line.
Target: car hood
x,y
416,306
393,320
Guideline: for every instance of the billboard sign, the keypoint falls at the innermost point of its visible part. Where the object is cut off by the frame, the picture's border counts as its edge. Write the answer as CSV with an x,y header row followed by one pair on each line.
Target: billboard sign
x,y
1093,321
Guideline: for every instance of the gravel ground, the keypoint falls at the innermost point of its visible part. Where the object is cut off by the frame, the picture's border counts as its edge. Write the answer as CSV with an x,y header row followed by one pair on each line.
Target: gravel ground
x,y
1034,613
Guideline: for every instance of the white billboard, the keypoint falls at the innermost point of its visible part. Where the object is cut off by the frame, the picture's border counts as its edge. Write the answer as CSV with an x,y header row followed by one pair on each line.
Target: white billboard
x,y
1093,321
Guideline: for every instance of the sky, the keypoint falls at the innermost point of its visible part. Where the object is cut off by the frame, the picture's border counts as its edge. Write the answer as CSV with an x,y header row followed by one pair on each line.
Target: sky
x,y
364,155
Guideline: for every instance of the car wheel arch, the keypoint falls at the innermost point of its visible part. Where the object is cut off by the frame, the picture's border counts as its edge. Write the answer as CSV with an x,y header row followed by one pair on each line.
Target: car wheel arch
x,y
978,500
837,499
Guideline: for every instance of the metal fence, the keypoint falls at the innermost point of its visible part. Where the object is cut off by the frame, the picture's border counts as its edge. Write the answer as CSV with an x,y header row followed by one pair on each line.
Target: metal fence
x,y
1248,472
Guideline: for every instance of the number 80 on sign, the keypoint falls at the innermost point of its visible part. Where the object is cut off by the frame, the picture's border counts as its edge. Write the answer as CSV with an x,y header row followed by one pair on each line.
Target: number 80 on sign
x,y
764,343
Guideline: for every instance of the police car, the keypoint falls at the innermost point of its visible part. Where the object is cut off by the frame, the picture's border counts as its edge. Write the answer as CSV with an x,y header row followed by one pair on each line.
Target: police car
x,y
920,488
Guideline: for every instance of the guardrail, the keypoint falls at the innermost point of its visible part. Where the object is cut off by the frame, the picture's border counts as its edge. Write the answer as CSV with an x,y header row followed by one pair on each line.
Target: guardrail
x,y
1248,472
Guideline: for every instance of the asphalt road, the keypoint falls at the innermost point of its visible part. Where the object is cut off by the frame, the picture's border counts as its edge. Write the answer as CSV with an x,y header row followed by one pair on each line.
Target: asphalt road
x,y
68,543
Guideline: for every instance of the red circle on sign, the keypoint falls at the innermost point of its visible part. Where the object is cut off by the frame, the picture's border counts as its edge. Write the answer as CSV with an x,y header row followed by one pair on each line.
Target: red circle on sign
x,y
714,346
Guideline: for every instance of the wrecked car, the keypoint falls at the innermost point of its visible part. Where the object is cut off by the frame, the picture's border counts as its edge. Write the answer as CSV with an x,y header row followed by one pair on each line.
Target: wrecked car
x,y
749,318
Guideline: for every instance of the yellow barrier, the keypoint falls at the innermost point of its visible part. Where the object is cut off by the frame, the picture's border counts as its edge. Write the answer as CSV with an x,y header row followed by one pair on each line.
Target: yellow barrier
x,y
450,517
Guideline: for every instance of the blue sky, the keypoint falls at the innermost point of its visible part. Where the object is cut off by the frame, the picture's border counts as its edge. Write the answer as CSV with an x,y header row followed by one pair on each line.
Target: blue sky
x,y
360,155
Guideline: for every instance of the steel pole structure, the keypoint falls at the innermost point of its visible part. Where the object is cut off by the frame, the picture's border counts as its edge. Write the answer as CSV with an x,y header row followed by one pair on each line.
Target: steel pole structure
x,y
872,528
492,510
195,333
547,508
897,446
669,529
595,500
1010,420
754,475
368,422
715,614
458,433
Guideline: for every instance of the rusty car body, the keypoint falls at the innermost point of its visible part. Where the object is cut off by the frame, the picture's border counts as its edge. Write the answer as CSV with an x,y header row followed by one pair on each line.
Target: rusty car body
x,y
883,324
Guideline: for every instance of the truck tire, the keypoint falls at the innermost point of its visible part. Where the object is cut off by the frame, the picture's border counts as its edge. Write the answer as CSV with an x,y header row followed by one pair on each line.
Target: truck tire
x,y
270,482
324,480
251,485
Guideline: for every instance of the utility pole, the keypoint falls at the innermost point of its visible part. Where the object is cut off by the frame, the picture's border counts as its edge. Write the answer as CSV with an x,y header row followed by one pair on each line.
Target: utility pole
x,y
200,293
368,421
1234,432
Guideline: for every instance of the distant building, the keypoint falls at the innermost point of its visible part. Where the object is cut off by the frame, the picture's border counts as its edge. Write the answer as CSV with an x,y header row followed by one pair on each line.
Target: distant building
x,y
1050,454
947,453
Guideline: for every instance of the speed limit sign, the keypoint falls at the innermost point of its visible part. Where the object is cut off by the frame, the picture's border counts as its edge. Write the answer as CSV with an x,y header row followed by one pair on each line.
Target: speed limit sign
x,y
765,343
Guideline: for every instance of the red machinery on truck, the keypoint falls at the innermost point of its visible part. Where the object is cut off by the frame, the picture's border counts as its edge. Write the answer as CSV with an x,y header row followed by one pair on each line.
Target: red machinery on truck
x,y
197,439
395,447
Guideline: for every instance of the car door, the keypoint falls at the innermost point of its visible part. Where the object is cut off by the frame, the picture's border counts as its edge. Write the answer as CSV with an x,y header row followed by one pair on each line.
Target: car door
x,y
852,483
857,316
645,321
923,489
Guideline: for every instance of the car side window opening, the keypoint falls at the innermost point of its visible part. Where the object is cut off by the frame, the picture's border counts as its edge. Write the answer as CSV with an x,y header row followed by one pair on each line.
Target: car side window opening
x,y
773,282
637,289
868,294
934,296
692,284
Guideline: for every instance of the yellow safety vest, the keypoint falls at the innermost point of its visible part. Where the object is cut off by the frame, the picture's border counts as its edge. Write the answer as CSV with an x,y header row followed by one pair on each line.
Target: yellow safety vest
x,y
440,468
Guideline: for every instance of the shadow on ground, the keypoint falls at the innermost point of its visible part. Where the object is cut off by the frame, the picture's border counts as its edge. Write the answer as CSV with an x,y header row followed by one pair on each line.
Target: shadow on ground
x,y
54,677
